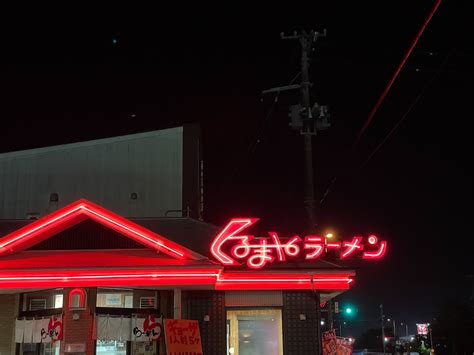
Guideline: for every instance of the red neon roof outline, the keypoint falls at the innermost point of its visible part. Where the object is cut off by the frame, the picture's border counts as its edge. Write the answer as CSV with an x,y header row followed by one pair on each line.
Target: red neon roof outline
x,y
77,212
214,278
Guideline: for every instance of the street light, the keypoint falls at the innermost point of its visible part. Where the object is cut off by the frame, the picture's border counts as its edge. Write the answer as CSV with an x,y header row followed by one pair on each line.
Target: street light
x,y
329,235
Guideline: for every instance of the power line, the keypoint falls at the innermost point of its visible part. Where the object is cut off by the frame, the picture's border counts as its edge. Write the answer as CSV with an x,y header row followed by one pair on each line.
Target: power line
x,y
397,124
252,147
407,112
395,75
261,131
385,92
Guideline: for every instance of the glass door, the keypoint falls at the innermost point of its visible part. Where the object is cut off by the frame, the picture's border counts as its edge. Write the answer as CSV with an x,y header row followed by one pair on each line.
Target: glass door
x,y
255,331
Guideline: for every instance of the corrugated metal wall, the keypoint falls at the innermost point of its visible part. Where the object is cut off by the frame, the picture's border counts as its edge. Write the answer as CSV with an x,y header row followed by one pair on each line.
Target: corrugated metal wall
x,y
105,171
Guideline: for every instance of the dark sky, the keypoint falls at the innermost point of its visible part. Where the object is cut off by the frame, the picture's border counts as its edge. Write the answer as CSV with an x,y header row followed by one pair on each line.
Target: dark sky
x,y
82,74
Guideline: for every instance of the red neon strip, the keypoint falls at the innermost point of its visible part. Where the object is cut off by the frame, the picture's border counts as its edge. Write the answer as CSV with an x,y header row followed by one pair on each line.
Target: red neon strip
x,y
203,277
134,232
73,213
82,297
33,230
283,281
397,72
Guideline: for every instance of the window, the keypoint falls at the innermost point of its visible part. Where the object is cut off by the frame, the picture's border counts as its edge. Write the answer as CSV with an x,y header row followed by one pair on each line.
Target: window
x,y
50,348
115,298
147,302
43,299
58,301
254,331
41,349
144,347
37,304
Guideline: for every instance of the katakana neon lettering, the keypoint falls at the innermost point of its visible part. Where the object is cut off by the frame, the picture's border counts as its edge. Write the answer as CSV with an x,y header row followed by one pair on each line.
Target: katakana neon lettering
x,y
351,247
315,245
381,248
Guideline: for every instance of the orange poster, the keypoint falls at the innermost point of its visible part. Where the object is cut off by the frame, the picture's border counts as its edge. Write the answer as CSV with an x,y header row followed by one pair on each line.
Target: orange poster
x,y
182,337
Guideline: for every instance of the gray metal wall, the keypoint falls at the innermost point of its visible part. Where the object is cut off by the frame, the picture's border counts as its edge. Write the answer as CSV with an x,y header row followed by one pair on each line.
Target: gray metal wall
x,y
105,171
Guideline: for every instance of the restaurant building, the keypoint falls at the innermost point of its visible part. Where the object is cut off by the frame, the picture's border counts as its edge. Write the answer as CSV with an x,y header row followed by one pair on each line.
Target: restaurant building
x,y
99,277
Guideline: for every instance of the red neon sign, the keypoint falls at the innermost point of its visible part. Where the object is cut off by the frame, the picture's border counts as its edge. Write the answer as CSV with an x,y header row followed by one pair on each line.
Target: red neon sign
x,y
256,255
78,269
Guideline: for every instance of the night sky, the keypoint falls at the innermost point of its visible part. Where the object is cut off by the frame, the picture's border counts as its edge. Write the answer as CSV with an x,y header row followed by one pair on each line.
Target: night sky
x,y
84,74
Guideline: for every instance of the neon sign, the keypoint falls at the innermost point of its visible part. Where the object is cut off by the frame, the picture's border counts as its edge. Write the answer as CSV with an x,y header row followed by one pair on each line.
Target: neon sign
x,y
230,246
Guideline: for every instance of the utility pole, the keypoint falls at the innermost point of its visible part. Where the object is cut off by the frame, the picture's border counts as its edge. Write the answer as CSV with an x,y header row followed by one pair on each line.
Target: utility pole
x,y
305,117
330,316
394,329
308,120
431,336
307,123
383,330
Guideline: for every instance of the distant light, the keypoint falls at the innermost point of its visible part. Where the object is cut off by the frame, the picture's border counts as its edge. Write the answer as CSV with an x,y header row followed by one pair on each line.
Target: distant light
x,y
351,340
322,322
329,235
388,320
386,339
114,40
412,338
349,310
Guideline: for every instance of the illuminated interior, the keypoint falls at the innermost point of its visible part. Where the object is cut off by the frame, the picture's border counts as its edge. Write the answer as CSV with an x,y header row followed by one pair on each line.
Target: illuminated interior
x,y
254,331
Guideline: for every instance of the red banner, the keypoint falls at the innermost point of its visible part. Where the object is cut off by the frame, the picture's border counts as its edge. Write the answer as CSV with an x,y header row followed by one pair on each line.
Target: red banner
x,y
182,337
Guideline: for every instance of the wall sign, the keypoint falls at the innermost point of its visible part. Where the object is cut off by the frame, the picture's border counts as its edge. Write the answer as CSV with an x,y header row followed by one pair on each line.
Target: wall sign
x,y
232,247
113,299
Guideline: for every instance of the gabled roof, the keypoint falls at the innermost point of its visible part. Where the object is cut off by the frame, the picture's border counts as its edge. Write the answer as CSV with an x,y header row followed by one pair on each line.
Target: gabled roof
x,y
177,266
76,212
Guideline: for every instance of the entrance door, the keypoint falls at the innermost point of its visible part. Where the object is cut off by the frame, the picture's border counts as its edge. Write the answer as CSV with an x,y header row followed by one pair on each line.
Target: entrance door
x,y
255,331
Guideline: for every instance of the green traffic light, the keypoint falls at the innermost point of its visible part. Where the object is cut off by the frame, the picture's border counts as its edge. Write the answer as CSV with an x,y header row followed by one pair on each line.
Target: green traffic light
x,y
348,310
